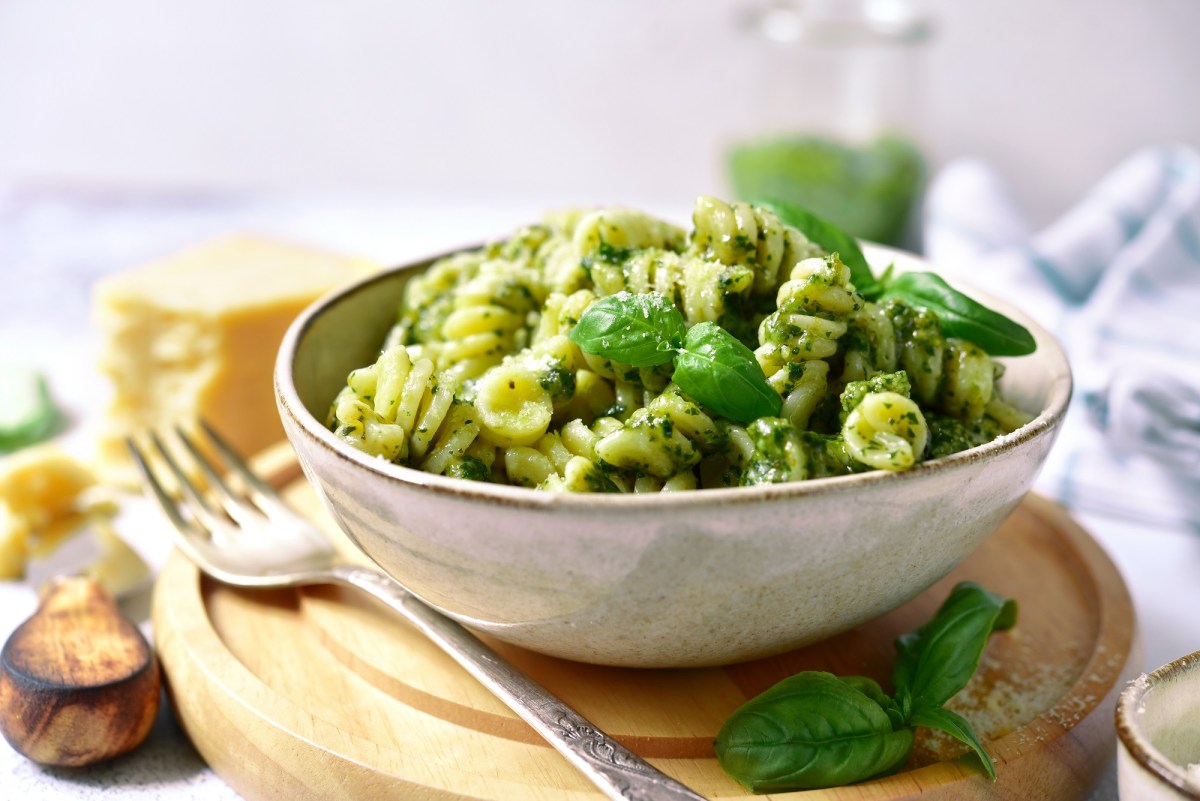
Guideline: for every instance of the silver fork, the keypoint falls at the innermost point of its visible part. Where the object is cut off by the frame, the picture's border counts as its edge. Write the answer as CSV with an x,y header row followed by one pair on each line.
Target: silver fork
x,y
249,537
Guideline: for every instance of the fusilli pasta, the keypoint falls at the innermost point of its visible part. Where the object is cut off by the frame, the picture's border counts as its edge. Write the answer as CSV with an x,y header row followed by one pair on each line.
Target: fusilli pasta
x,y
480,378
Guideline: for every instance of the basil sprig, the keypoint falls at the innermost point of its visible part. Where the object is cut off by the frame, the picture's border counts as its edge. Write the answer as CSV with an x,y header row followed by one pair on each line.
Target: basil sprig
x,y
833,731
711,365
960,316
815,730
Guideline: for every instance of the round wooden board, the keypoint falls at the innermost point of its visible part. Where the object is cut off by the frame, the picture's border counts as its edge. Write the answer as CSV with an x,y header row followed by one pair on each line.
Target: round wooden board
x,y
322,694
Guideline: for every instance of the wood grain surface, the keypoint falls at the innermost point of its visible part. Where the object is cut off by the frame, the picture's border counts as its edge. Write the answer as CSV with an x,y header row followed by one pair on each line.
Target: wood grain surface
x,y
79,684
322,694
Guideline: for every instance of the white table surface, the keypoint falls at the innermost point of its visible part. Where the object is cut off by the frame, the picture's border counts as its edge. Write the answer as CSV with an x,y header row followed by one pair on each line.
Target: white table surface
x,y
54,242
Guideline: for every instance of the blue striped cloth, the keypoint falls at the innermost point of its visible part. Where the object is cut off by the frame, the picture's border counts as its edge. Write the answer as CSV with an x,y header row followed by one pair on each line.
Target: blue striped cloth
x,y
1117,280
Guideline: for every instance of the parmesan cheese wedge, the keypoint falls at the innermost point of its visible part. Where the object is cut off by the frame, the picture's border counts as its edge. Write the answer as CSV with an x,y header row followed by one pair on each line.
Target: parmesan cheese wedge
x,y
196,334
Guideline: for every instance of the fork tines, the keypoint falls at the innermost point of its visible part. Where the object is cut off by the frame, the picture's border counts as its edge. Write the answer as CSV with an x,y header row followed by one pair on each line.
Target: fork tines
x,y
211,490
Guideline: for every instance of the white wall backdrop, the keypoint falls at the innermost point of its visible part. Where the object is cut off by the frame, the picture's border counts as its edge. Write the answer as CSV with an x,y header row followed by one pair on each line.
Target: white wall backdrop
x,y
622,100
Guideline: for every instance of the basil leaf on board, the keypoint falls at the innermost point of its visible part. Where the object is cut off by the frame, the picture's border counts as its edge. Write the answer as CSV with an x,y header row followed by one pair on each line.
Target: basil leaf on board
x,y
630,329
832,239
870,688
810,730
717,371
937,660
957,727
815,729
960,316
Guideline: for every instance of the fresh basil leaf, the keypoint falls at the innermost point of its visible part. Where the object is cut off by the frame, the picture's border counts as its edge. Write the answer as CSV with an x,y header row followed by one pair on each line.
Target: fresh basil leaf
x,y
717,371
809,731
831,238
957,727
937,660
871,689
27,412
961,316
631,329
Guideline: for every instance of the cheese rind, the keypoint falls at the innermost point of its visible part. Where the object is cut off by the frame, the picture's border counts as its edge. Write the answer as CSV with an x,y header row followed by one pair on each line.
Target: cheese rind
x,y
195,336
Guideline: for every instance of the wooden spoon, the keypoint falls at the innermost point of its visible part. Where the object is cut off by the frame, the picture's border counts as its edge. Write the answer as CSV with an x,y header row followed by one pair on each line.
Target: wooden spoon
x,y
78,682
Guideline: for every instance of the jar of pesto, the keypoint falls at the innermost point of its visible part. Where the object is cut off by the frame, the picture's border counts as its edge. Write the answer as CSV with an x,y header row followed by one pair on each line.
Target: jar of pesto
x,y
837,114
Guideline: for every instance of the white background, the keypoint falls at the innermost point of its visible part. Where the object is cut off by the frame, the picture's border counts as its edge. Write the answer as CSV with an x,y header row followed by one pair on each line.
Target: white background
x,y
615,101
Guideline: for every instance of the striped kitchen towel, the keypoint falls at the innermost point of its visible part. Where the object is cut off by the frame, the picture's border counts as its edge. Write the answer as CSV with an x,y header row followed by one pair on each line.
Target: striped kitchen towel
x,y
1117,280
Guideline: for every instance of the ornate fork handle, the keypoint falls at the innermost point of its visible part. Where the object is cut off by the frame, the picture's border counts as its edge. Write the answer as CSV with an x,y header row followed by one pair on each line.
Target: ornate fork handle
x,y
612,767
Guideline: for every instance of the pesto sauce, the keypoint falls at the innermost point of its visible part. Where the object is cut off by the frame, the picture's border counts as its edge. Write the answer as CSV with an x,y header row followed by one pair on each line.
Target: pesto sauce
x,y
469,468
949,435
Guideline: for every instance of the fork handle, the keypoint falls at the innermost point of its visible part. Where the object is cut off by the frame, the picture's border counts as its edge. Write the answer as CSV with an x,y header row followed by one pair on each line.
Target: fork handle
x,y
612,767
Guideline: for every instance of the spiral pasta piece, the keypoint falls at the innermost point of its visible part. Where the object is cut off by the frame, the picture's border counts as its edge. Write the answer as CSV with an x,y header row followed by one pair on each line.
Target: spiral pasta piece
x,y
921,349
950,376
609,234
969,381
571,455
704,289
871,344
742,234
776,455
886,431
813,307
665,438
395,408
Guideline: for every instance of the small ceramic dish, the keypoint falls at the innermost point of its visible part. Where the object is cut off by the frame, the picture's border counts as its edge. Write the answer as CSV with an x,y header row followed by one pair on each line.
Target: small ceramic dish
x,y
671,579
1158,731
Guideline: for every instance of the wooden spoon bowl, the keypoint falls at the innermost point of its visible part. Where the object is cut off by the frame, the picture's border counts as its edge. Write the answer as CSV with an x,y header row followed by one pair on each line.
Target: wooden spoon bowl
x,y
79,684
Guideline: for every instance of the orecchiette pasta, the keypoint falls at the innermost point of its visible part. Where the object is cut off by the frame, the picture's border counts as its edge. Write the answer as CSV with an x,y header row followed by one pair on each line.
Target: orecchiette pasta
x,y
480,378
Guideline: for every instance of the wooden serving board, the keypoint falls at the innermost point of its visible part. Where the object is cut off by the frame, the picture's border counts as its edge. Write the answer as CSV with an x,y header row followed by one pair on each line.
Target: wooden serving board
x,y
322,694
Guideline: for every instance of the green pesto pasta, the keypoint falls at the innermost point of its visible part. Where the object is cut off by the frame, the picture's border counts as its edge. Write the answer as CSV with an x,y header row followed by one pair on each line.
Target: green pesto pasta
x,y
480,377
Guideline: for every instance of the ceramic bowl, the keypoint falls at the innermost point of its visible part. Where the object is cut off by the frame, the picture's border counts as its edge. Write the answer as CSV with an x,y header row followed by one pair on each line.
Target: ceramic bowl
x,y
675,579
1158,731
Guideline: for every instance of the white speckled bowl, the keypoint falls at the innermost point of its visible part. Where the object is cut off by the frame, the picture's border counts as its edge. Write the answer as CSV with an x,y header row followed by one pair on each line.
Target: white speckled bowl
x,y
1158,731
677,579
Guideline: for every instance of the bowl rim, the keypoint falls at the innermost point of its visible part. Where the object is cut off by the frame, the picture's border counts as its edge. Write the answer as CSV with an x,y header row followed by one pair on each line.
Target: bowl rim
x,y
1139,748
290,406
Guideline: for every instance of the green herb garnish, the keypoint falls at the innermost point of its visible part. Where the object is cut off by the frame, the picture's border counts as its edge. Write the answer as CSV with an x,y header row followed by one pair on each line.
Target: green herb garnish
x,y
716,369
631,329
816,730
27,412
711,365
960,316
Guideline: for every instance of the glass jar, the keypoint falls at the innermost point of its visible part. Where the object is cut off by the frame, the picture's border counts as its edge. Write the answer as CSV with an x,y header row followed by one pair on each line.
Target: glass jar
x,y
836,121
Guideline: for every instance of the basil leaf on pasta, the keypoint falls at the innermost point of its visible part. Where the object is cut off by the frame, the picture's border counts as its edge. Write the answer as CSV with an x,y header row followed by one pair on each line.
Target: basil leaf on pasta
x,y
717,370
631,329
961,316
